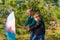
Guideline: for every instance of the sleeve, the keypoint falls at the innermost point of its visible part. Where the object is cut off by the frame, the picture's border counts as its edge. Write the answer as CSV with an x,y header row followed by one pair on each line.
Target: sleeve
x,y
27,21
42,21
33,23
35,26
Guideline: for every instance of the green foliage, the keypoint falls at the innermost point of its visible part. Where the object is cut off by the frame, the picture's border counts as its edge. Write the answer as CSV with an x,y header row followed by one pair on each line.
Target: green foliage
x,y
48,13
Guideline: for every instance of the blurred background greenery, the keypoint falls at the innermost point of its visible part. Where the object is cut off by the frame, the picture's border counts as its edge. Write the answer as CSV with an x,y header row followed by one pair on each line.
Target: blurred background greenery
x,y
49,10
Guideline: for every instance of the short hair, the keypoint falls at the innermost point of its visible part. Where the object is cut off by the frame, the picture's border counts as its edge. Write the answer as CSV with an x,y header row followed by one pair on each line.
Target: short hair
x,y
30,9
37,13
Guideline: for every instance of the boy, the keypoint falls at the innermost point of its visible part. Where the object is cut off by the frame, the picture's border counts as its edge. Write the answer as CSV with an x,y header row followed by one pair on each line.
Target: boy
x,y
29,22
39,28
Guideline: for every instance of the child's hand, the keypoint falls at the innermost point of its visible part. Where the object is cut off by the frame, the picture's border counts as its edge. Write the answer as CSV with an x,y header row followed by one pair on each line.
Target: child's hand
x,y
23,27
28,28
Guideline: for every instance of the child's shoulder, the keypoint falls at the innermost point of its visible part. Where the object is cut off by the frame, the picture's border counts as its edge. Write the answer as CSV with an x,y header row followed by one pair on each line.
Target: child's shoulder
x,y
28,17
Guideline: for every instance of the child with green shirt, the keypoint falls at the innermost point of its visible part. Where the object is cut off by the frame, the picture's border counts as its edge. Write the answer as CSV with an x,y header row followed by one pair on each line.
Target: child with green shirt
x,y
30,22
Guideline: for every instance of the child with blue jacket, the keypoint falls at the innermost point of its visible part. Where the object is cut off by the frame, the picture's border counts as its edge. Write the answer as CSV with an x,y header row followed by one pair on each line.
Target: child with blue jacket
x,y
39,28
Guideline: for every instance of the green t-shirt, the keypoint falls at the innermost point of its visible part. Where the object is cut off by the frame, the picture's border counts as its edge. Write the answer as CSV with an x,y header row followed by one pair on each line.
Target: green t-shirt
x,y
30,21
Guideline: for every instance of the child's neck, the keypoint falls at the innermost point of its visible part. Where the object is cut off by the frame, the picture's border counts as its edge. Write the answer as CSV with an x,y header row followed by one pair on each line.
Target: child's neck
x,y
38,20
31,16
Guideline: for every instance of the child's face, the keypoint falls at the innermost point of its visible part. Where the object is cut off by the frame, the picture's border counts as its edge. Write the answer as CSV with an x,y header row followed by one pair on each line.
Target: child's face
x,y
29,11
37,17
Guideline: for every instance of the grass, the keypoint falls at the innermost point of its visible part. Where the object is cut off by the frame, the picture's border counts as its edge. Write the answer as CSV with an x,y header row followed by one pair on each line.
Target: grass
x,y
25,36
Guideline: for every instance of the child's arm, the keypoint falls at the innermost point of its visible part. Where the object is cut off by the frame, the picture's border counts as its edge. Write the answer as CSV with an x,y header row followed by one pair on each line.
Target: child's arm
x,y
26,22
33,23
42,21
34,27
